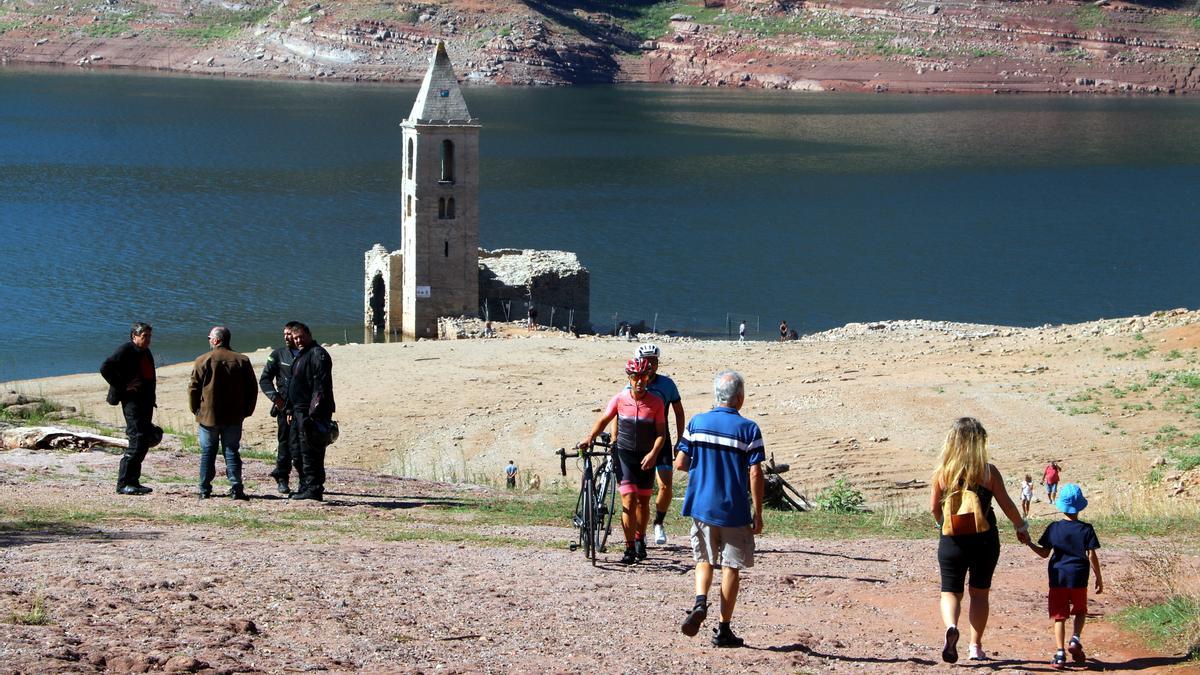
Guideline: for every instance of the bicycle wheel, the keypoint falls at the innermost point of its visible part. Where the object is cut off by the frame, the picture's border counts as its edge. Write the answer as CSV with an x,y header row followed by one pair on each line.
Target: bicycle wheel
x,y
587,530
577,520
606,496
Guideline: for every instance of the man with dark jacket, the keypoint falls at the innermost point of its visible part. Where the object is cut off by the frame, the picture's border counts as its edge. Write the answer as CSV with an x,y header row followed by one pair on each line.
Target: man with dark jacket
x,y
310,395
129,373
274,381
221,394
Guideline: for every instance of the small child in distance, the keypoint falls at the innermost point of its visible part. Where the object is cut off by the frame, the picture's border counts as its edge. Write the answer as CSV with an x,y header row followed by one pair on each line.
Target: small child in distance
x,y
1026,495
1071,546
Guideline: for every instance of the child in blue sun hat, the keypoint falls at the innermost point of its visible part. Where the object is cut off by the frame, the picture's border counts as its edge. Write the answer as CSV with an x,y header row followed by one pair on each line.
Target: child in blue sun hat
x,y
1071,545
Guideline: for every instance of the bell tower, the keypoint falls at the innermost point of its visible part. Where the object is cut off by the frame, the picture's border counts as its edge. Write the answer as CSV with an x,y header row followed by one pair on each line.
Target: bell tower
x,y
439,226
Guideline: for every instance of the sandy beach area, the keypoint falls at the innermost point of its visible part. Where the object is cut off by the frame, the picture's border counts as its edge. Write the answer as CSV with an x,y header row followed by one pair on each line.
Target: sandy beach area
x,y
869,403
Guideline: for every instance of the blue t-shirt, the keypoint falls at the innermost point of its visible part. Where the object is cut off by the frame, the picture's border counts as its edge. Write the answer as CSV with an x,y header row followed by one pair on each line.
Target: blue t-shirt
x,y
721,446
1071,540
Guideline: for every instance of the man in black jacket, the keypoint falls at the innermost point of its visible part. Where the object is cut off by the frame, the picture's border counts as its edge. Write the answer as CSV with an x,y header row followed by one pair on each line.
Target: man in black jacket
x,y
310,395
129,373
274,382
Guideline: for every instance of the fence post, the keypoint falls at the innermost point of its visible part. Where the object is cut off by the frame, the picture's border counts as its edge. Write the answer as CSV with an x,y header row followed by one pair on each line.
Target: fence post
x,y
728,329
552,317
654,328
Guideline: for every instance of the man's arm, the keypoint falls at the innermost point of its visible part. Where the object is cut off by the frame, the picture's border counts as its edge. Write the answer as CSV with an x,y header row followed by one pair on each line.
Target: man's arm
x,y
266,381
196,384
113,371
758,487
677,408
251,391
322,379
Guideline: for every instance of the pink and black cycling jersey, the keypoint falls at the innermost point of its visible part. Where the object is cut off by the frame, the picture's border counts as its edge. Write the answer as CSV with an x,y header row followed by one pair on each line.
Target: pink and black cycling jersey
x,y
637,421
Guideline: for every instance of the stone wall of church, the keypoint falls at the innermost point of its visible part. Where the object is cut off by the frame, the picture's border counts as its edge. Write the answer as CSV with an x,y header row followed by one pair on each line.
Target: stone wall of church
x,y
553,282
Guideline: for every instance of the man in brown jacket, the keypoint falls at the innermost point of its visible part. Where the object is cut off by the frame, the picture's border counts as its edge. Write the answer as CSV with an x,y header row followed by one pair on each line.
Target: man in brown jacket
x,y
221,394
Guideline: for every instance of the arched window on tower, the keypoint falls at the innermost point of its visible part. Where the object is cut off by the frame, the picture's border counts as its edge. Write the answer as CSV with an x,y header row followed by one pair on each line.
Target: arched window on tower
x,y
447,161
450,208
441,208
411,160
446,249
408,206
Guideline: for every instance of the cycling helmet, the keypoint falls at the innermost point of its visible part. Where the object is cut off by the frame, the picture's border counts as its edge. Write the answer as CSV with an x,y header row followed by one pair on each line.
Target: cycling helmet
x,y
647,351
637,367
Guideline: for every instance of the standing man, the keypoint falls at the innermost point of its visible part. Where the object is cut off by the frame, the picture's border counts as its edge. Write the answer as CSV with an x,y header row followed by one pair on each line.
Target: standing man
x,y
274,381
724,453
510,475
221,395
784,334
742,331
310,395
664,388
129,373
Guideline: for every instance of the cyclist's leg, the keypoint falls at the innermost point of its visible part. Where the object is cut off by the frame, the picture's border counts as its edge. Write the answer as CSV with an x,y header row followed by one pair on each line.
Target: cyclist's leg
x,y
662,503
628,517
643,512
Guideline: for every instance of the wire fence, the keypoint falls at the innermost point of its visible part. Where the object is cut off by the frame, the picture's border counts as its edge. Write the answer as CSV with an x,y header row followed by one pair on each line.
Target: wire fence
x,y
569,319
627,322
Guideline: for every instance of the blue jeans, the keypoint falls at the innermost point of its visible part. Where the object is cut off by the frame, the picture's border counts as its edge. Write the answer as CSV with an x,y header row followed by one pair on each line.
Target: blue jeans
x,y
230,436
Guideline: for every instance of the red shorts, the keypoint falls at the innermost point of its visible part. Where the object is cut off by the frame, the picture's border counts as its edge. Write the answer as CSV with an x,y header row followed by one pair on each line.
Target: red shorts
x,y
1067,601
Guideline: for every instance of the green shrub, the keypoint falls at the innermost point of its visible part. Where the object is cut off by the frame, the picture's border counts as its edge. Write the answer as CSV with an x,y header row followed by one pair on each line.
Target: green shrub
x,y
841,497
1172,623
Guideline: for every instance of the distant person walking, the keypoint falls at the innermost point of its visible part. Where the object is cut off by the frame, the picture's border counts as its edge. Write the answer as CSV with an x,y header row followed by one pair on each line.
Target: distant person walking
x,y
221,394
723,454
310,396
129,373
1026,495
275,379
1050,478
964,485
742,332
510,475
783,330
1071,546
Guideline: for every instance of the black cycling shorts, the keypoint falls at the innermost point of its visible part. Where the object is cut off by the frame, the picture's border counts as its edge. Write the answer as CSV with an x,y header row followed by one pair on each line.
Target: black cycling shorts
x,y
974,553
630,471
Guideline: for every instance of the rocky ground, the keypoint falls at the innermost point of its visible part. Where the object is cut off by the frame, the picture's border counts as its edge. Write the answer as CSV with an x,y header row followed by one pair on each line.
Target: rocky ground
x,y
989,46
395,574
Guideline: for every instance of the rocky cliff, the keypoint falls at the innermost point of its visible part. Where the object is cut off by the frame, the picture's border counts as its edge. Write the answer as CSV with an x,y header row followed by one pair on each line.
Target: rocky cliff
x,y
859,45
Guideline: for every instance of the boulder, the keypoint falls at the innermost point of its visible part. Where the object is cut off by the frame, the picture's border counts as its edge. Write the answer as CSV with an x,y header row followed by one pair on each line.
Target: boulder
x,y
12,398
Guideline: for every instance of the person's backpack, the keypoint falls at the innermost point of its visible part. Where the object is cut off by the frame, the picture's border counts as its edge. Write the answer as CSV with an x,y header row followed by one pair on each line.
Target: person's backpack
x,y
962,513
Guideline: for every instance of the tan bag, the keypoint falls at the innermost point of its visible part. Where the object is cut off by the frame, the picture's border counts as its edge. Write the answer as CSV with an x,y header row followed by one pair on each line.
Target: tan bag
x,y
962,513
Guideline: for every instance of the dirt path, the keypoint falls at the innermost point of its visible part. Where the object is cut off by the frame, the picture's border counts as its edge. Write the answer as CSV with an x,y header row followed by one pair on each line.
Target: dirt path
x,y
367,581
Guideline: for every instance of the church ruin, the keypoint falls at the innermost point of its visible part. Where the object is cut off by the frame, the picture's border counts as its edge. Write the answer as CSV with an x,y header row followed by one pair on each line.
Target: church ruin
x,y
439,270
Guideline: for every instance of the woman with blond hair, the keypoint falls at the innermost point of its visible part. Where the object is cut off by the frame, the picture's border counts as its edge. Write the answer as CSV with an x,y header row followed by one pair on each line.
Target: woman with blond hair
x,y
964,485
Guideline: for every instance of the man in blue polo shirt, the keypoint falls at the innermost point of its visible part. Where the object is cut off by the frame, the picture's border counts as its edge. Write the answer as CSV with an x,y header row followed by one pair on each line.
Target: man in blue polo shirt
x,y
723,453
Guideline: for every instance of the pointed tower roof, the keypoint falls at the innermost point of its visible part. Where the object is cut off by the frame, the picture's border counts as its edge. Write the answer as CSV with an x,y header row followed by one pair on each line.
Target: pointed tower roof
x,y
440,101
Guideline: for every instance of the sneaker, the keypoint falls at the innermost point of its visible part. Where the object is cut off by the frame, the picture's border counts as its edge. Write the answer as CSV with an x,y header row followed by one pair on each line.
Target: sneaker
x,y
1075,647
132,490
145,490
1059,661
695,617
950,649
629,558
283,487
639,549
660,535
975,653
726,638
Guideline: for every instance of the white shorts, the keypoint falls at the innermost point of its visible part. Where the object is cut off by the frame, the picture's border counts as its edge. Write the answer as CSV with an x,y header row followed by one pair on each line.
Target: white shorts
x,y
731,547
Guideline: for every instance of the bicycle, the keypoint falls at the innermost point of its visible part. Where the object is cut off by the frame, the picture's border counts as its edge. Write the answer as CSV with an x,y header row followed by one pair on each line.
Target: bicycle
x,y
597,497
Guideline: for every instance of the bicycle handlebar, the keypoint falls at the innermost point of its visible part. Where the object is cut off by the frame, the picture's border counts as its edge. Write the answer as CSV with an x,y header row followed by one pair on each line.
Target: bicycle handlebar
x,y
605,441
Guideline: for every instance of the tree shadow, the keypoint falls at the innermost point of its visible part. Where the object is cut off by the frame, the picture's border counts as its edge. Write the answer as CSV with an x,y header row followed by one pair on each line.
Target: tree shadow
x,y
805,649
1139,663
13,537
866,580
822,553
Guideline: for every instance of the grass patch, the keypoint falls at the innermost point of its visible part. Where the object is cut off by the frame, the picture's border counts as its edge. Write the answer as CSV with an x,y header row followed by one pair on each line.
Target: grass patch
x,y
6,26
230,518
216,24
36,615
477,538
1088,17
1173,623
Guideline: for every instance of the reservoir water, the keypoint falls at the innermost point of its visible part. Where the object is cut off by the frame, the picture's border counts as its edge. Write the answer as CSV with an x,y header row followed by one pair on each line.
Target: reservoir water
x,y
188,202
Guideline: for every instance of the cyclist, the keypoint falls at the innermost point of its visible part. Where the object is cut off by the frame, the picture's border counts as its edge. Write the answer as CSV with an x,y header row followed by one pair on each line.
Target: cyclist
x,y
663,387
641,435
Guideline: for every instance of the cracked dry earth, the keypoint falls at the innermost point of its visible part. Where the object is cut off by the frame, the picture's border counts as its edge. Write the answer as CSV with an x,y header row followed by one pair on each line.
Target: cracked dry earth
x,y
388,575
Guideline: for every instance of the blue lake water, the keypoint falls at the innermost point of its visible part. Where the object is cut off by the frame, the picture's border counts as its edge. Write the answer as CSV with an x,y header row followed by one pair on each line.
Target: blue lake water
x,y
187,202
